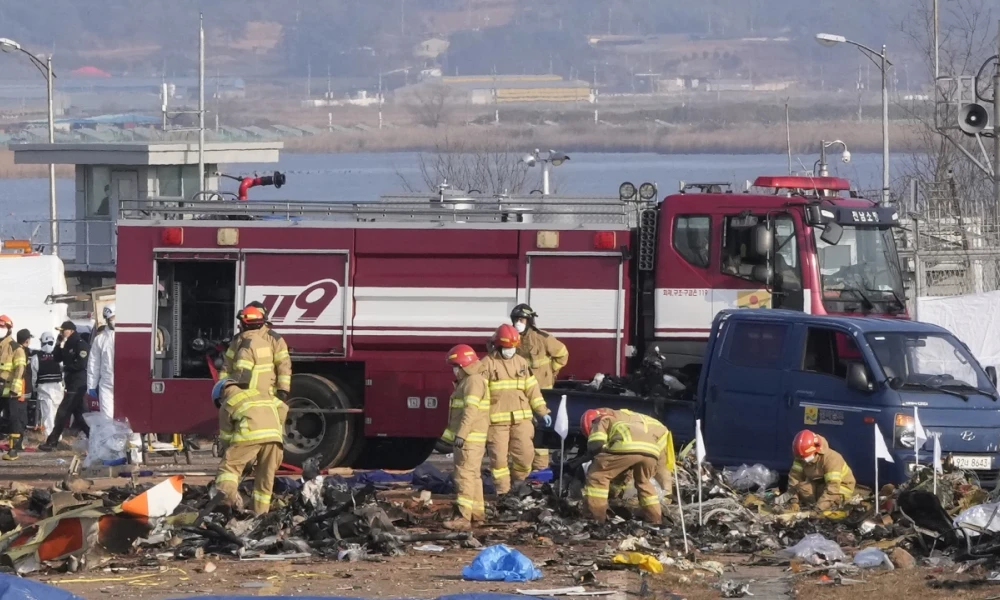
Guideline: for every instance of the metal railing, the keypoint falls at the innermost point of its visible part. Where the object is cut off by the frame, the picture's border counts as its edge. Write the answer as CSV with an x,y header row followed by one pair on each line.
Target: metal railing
x,y
98,248
418,209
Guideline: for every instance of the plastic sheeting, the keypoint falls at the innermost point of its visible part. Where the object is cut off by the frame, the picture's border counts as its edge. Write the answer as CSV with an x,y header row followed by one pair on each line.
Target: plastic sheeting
x,y
108,440
501,563
16,588
25,282
974,319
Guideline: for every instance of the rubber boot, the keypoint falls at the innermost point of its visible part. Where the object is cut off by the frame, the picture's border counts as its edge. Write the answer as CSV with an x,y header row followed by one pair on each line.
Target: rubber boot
x,y
457,524
15,447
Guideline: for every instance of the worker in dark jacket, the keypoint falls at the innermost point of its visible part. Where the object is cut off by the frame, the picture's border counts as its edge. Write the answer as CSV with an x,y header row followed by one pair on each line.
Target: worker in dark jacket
x,y
74,354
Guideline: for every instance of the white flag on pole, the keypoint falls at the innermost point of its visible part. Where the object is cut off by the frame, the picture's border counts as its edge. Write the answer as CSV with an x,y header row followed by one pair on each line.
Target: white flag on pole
x,y
918,429
699,442
881,450
562,419
938,467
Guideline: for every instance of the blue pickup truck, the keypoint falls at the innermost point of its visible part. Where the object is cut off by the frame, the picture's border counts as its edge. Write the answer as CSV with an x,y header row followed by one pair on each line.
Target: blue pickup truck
x,y
768,374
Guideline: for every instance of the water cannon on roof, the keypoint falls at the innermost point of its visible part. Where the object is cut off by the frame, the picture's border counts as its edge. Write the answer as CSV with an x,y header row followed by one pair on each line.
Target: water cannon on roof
x,y
277,179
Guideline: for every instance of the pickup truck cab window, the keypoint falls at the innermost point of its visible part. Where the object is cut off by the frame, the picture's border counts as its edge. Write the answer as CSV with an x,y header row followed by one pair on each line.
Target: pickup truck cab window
x,y
757,345
830,352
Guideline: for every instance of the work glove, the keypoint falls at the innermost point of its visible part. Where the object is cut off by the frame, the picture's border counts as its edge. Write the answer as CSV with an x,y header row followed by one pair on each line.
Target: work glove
x,y
459,443
282,395
547,419
92,392
783,499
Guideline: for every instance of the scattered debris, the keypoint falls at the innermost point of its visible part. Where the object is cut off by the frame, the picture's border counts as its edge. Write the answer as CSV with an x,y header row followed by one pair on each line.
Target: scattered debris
x,y
748,478
872,557
501,563
816,549
735,589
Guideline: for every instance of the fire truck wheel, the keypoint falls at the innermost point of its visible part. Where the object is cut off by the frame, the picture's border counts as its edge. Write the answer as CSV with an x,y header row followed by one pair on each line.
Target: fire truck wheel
x,y
309,434
443,447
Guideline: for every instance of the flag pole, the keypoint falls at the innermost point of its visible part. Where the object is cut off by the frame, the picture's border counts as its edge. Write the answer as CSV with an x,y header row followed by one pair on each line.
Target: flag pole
x,y
877,499
701,519
562,462
916,437
680,508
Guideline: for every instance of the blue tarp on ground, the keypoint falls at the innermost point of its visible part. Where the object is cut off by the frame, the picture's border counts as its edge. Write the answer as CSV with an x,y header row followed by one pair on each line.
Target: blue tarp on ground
x,y
16,588
468,596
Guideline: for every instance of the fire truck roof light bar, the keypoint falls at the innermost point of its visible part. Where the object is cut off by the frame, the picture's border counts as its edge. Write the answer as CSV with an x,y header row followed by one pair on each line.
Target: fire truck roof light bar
x,y
835,184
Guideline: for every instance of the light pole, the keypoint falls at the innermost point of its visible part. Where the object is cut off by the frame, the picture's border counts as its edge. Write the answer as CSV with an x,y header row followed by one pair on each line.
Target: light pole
x,y
45,68
548,160
823,145
829,39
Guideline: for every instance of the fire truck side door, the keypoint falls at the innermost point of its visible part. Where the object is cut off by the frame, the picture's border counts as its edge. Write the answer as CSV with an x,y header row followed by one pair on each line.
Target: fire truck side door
x,y
739,285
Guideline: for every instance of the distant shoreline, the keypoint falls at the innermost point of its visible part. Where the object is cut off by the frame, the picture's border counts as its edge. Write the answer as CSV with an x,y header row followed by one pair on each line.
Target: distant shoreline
x,y
743,139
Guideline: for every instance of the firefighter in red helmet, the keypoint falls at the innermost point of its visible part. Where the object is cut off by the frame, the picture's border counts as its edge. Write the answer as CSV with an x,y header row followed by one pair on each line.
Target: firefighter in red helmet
x,y
622,441
820,477
514,396
467,429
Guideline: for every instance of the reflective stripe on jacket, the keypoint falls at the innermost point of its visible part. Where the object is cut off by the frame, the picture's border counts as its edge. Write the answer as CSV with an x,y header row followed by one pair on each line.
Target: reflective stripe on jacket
x,y
626,432
249,417
829,473
545,354
15,379
7,347
514,391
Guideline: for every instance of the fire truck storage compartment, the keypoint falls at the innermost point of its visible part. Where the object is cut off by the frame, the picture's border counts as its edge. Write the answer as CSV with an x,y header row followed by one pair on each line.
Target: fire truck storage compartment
x,y
196,302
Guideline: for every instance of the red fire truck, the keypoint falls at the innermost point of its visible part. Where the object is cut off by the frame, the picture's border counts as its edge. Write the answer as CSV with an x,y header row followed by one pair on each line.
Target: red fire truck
x,y
370,296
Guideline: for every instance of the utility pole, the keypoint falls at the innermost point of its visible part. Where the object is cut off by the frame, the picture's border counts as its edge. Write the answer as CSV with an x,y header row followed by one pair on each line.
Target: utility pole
x,y
380,99
937,63
201,103
53,225
996,121
885,129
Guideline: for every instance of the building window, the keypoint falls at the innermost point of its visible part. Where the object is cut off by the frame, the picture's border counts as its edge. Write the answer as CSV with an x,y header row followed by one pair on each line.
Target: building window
x,y
757,345
691,237
168,179
99,192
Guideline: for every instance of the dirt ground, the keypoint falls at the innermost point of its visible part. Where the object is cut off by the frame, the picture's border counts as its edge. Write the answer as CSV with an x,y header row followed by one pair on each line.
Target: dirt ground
x,y
425,574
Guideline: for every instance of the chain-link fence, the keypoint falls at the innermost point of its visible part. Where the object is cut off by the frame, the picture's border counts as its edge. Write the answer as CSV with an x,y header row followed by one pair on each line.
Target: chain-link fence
x,y
950,245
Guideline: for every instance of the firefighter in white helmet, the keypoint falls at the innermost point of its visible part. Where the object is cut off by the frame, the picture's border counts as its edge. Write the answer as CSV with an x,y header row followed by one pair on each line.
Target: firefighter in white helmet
x,y
547,356
101,367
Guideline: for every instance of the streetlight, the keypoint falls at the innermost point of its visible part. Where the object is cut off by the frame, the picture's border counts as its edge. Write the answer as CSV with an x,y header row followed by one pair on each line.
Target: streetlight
x,y
45,68
823,145
548,160
829,39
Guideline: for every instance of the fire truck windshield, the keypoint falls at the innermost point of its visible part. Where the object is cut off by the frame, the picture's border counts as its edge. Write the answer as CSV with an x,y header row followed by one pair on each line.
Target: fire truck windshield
x,y
861,272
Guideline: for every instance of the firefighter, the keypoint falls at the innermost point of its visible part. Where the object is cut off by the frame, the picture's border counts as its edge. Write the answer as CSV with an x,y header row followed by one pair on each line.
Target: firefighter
x,y
8,344
547,356
514,395
101,367
282,361
620,441
250,428
470,421
820,477
73,354
262,361
49,382
13,392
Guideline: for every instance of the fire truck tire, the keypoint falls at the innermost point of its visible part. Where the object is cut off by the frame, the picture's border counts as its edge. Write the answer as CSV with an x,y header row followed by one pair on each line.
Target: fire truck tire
x,y
443,447
329,437
397,454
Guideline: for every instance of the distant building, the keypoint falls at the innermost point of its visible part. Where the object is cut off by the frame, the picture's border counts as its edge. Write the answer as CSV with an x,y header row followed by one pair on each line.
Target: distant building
x,y
501,89
431,49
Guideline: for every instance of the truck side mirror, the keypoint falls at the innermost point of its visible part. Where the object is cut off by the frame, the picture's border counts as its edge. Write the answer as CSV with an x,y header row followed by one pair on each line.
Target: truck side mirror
x,y
857,378
991,374
814,216
762,273
832,233
763,240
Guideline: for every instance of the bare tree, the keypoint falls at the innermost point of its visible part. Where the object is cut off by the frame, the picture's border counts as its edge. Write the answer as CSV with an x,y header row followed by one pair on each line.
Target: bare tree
x,y
430,104
490,165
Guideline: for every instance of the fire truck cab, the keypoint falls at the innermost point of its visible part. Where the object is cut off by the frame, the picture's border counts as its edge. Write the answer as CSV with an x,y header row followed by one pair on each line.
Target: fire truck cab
x,y
370,296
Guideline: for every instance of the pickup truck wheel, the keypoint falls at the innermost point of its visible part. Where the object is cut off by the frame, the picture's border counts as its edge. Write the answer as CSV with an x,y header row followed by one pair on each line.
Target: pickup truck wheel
x,y
309,434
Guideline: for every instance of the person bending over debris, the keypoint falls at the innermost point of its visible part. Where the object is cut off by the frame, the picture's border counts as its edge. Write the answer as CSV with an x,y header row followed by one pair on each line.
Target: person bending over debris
x,y
250,429
514,395
466,431
819,477
620,441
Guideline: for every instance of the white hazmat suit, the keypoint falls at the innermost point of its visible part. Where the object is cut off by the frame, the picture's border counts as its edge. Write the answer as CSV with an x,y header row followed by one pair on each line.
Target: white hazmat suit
x,y
50,393
101,366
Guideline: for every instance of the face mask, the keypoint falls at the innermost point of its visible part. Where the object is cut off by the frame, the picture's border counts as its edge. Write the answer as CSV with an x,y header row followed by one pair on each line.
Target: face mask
x,y
111,323
810,459
520,326
456,371
508,352
3,332
49,347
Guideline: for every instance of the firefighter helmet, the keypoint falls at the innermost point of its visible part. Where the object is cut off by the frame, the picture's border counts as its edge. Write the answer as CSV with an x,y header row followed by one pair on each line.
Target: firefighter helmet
x,y
217,391
461,356
6,322
523,311
806,443
251,316
262,307
506,337
109,312
588,418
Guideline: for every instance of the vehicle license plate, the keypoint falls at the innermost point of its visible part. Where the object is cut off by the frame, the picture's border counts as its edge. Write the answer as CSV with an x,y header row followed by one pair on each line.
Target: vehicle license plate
x,y
973,463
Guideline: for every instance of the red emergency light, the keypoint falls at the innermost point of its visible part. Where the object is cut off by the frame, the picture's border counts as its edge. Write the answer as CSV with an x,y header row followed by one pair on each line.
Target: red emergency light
x,y
604,240
172,236
792,182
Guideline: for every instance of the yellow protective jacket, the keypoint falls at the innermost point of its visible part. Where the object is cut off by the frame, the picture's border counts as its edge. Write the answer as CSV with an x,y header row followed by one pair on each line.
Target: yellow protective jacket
x,y
626,432
469,416
15,379
7,347
827,482
514,391
249,417
545,354
279,353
